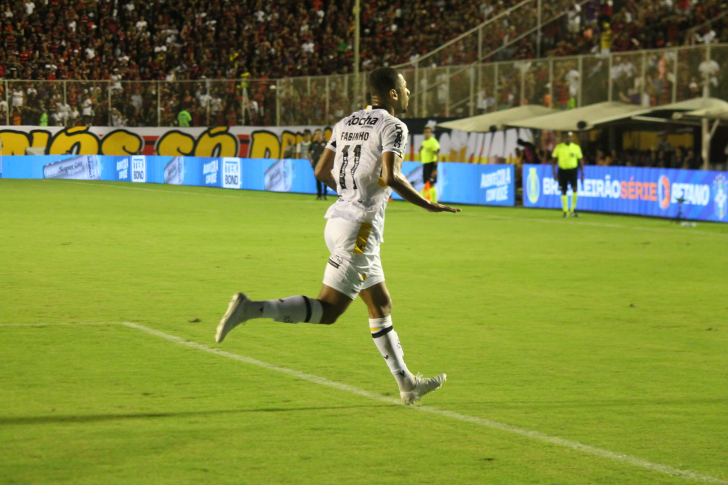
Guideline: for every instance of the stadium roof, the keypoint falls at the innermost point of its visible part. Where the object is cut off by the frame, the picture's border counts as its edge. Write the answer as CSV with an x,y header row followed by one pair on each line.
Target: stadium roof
x,y
498,119
713,108
688,112
694,104
584,118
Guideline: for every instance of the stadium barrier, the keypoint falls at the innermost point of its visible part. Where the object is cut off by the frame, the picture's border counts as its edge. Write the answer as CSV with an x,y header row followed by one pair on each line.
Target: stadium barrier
x,y
237,141
671,193
457,182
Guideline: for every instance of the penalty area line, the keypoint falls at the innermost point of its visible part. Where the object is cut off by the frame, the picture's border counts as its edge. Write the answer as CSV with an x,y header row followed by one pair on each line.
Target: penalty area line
x,y
535,435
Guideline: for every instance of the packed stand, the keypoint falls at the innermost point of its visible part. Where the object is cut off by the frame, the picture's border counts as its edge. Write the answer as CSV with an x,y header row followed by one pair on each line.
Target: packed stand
x,y
144,63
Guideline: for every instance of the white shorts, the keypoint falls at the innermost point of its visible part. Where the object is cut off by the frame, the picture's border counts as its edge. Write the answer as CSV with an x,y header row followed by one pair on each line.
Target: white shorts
x,y
354,264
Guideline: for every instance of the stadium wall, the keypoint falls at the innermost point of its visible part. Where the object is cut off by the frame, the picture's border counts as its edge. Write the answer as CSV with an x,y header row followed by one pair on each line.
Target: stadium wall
x,y
457,183
692,194
237,141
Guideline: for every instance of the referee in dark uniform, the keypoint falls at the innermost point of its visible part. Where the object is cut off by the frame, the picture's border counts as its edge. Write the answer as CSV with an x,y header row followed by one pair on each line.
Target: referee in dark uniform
x,y
569,158
314,152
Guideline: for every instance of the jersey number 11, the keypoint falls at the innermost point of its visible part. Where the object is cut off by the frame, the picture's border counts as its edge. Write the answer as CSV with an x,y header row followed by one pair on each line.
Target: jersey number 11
x,y
342,173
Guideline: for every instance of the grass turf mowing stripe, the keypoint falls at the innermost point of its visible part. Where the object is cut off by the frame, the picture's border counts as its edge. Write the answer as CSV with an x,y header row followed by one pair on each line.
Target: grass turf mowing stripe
x,y
507,218
574,445
608,225
183,192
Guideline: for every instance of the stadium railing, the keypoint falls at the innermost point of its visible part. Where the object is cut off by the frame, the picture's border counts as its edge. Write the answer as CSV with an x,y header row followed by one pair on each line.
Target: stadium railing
x,y
648,77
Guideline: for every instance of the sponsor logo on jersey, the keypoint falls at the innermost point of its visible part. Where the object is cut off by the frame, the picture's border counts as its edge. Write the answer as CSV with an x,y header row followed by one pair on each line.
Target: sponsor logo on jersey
x,y
398,136
356,121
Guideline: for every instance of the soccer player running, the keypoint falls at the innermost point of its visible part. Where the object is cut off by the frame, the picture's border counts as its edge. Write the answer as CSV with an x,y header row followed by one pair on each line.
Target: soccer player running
x,y
568,156
363,164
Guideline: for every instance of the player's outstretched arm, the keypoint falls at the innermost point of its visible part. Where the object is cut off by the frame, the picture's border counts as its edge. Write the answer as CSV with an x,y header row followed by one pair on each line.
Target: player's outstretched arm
x,y
324,167
392,175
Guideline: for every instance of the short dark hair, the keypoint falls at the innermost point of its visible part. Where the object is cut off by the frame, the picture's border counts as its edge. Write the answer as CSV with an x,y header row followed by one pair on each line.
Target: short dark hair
x,y
383,80
306,131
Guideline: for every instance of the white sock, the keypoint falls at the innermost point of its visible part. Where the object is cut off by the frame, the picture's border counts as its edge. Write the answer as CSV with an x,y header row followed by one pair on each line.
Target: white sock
x,y
293,309
387,341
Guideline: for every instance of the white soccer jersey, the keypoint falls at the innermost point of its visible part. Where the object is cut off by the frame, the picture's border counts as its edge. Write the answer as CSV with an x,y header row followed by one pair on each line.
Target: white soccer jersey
x,y
359,140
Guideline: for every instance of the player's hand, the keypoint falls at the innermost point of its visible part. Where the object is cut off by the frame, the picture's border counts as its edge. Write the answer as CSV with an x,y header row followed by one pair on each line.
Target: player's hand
x,y
441,208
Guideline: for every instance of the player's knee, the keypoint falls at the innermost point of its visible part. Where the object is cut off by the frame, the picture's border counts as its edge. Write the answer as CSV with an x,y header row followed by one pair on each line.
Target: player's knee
x,y
381,309
386,307
331,313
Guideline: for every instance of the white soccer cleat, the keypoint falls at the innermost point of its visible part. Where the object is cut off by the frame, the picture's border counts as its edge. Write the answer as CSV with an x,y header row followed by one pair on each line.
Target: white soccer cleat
x,y
236,314
422,387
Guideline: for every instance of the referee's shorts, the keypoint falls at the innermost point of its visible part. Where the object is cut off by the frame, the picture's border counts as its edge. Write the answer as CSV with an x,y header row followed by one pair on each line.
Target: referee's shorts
x,y
427,169
568,176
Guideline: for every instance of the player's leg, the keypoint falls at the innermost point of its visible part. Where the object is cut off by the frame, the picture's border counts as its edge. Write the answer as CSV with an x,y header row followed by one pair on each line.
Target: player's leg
x,y
379,306
574,187
426,173
325,309
563,185
433,183
334,303
341,285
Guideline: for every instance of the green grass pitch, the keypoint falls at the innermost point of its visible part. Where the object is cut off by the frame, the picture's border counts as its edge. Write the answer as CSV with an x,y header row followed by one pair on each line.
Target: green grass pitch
x,y
605,331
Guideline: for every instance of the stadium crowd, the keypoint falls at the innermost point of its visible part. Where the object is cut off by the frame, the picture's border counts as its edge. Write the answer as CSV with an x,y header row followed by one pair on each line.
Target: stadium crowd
x,y
223,39
142,63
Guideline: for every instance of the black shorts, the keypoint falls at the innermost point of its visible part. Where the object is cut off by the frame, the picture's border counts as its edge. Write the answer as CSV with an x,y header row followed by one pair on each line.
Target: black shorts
x,y
427,169
567,177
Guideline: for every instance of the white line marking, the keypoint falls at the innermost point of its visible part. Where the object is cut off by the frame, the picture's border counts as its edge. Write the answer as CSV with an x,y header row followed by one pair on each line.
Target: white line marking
x,y
56,324
574,445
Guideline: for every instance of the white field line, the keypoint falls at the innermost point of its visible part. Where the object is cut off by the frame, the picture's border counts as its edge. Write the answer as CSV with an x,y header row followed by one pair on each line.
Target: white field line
x,y
574,445
535,435
507,218
56,324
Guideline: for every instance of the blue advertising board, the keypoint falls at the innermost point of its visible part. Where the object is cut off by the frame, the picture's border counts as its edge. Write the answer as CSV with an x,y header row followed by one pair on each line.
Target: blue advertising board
x,y
223,172
634,190
465,183
457,182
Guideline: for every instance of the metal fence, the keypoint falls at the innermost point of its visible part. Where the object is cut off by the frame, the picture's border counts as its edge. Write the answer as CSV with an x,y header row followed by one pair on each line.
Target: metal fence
x,y
648,78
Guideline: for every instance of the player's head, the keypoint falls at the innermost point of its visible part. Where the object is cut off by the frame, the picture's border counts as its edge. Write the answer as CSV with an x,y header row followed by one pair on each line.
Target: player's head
x,y
306,134
388,89
427,132
567,136
318,135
